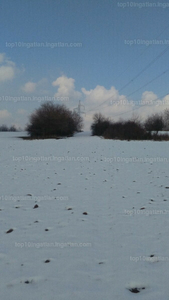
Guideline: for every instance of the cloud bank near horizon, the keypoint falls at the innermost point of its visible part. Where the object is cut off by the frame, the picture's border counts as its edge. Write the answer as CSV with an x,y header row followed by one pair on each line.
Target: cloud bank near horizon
x,y
62,90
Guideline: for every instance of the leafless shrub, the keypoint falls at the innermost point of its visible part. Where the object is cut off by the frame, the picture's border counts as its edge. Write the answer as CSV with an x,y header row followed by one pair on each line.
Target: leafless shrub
x,y
53,120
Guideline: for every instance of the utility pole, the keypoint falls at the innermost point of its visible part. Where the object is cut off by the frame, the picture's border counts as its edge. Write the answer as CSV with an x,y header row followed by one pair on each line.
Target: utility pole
x,y
80,109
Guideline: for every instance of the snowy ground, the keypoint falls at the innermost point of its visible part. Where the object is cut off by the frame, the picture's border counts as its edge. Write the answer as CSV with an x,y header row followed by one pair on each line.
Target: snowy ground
x,y
55,251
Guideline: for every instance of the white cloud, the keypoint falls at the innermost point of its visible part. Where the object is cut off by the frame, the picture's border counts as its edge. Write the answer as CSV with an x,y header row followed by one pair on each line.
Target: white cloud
x,y
108,102
6,73
21,111
151,104
66,88
100,94
4,114
7,68
39,87
2,56
29,87
148,97
115,106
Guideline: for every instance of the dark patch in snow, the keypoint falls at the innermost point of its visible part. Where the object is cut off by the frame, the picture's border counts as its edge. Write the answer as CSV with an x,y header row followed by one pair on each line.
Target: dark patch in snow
x,y
27,281
85,213
136,290
36,206
47,261
9,231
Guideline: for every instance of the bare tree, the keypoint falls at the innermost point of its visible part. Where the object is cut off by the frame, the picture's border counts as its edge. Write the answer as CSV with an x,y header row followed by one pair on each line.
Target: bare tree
x,y
3,128
154,123
166,119
100,124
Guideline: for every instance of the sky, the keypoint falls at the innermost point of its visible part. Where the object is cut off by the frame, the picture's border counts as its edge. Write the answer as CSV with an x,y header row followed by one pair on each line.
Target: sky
x,y
113,56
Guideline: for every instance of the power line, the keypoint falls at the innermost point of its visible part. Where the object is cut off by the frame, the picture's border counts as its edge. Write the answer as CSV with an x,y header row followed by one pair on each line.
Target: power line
x,y
132,80
148,82
144,69
143,52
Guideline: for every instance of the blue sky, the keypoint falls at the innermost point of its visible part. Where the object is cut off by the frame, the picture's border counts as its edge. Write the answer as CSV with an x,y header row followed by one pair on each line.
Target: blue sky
x,y
111,51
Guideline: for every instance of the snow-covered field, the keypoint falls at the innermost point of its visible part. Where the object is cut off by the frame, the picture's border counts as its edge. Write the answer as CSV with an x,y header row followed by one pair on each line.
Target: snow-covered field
x,y
90,219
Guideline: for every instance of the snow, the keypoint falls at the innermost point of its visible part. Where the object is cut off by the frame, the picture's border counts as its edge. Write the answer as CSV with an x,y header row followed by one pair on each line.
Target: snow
x,y
55,251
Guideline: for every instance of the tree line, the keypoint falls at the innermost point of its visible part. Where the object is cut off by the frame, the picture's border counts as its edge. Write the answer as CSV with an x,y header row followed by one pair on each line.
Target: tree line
x,y
5,128
133,129
55,121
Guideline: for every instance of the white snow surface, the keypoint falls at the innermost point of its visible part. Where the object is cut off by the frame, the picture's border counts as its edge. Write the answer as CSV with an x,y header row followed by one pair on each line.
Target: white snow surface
x,y
57,252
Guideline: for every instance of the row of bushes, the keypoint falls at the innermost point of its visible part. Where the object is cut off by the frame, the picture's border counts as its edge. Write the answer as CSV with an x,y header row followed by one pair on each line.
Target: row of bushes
x,y
6,128
127,130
